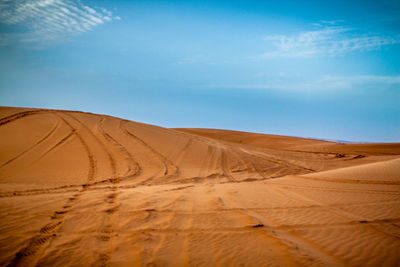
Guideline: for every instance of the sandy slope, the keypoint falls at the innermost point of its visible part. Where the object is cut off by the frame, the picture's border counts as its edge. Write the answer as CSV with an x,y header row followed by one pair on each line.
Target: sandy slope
x,y
87,189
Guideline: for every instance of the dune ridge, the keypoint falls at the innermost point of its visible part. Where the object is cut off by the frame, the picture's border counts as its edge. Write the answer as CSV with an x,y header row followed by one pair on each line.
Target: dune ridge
x,y
86,189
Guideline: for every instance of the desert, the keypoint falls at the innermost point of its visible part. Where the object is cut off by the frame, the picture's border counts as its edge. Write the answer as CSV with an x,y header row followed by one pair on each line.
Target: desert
x,y
83,189
199,133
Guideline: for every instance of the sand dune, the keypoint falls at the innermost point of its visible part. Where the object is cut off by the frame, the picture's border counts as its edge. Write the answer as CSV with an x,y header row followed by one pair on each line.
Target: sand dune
x,y
86,189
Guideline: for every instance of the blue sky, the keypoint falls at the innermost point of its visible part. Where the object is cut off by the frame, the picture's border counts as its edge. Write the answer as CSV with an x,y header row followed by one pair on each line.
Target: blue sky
x,y
324,69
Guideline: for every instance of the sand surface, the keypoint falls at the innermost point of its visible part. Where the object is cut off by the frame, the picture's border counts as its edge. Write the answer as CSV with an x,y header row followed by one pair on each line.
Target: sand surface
x,y
84,189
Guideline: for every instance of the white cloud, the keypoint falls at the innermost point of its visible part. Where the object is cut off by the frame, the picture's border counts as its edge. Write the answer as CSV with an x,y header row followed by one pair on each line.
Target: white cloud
x,y
329,41
202,60
44,20
90,10
195,59
362,79
326,82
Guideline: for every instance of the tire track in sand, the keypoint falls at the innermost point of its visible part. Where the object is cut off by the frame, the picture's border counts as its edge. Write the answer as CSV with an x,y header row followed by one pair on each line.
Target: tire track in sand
x,y
207,163
248,163
31,253
178,157
107,231
272,229
163,236
225,167
133,166
336,210
170,168
349,181
59,143
66,188
104,148
285,167
55,127
16,116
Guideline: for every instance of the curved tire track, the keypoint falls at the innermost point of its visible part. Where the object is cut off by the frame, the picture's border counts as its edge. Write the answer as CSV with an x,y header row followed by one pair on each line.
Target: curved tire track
x,y
109,155
225,167
284,165
107,231
30,254
59,143
170,168
14,117
33,146
127,155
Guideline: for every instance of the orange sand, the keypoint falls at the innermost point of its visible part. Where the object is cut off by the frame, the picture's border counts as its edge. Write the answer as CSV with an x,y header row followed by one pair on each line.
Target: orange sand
x,y
90,190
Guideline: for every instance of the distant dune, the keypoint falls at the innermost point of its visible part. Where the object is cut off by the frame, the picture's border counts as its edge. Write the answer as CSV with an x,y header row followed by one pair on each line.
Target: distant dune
x,y
93,190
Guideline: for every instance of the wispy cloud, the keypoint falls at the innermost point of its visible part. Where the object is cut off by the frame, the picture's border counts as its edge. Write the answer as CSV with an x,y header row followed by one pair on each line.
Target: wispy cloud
x,y
329,40
195,59
202,60
44,20
326,82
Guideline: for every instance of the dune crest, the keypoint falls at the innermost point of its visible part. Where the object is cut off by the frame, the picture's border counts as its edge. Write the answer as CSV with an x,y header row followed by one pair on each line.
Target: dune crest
x,y
86,189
